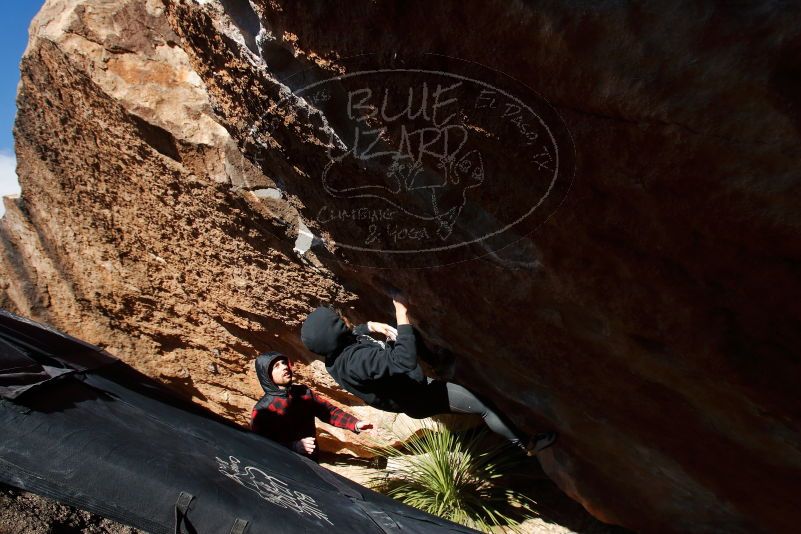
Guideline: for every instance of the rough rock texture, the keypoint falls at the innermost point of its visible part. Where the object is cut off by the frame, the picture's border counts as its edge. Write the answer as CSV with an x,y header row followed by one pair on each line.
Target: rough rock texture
x,y
653,320
138,229
143,229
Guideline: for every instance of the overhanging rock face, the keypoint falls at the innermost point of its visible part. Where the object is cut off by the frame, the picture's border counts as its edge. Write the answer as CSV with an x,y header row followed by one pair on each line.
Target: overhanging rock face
x,y
647,309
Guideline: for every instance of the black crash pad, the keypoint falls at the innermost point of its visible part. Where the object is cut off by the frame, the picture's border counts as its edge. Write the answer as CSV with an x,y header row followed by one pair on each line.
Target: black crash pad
x,y
82,428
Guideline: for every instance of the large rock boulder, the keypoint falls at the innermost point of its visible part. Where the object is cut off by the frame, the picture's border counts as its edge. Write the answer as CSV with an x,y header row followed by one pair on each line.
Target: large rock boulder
x,y
140,227
652,319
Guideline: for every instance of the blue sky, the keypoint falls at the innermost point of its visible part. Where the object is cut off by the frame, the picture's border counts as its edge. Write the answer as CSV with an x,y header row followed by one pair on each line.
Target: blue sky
x,y
14,22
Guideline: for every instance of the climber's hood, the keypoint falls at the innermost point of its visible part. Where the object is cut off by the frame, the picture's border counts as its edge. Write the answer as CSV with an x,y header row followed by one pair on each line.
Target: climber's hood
x,y
324,332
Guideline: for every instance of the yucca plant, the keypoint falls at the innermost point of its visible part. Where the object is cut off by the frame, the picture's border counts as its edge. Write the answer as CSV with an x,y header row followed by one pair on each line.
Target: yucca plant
x,y
455,476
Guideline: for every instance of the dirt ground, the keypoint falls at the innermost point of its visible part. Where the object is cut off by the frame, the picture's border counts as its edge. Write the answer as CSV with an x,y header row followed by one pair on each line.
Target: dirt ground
x,y
26,513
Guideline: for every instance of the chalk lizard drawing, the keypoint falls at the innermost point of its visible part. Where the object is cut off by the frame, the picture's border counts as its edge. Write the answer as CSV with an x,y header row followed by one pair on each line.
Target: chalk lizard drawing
x,y
270,488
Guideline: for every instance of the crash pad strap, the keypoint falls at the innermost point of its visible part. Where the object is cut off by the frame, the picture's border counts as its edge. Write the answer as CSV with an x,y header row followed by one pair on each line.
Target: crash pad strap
x,y
378,516
239,526
181,507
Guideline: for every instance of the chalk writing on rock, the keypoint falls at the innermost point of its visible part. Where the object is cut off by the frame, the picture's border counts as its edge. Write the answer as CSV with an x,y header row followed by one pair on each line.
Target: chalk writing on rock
x,y
419,161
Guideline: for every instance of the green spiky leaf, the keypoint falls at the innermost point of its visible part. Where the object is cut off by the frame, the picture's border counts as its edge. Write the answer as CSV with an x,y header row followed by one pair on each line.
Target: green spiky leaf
x,y
455,477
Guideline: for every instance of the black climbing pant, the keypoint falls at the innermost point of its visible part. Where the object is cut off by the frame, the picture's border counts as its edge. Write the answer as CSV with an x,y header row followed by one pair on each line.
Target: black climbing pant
x,y
441,397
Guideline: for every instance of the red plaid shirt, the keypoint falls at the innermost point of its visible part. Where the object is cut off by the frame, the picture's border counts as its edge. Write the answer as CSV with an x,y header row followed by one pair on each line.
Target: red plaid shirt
x,y
291,418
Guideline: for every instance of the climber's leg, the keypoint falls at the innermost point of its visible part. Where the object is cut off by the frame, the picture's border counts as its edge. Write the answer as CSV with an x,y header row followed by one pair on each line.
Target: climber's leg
x,y
462,400
440,397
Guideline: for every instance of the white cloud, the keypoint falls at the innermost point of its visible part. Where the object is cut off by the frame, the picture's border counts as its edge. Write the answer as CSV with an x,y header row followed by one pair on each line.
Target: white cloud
x,y
9,183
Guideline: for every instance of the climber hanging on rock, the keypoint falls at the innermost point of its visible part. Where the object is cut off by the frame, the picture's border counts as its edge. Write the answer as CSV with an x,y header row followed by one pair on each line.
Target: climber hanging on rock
x,y
286,412
387,376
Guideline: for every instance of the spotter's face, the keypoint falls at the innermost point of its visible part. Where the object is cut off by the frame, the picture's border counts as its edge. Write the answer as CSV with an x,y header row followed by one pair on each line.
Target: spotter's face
x,y
281,373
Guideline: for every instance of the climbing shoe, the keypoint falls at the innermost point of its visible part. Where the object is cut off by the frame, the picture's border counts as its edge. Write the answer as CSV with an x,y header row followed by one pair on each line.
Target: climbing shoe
x,y
540,442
